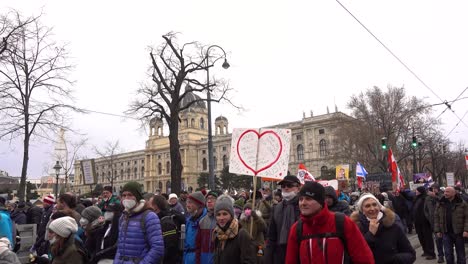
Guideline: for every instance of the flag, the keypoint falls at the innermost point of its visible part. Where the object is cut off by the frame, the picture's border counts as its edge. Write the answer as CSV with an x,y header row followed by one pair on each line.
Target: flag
x,y
361,173
303,174
466,161
396,174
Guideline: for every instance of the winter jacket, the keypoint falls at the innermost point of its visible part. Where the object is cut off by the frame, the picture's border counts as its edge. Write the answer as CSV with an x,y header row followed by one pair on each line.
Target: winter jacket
x,y
338,205
311,250
103,204
274,252
178,207
106,240
343,197
400,206
459,216
19,217
9,257
190,245
172,251
389,245
258,228
91,239
6,225
238,250
418,210
137,244
42,244
204,241
429,209
34,215
69,254
265,207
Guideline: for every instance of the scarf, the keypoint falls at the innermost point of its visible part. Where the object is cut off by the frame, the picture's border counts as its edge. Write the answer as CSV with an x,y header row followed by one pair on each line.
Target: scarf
x,y
289,218
223,234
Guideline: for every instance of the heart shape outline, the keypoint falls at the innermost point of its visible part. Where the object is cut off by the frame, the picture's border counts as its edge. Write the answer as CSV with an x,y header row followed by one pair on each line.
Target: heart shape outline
x,y
259,135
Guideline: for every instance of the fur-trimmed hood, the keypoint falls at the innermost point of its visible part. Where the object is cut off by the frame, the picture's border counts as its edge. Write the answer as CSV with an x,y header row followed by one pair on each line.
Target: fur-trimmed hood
x,y
387,220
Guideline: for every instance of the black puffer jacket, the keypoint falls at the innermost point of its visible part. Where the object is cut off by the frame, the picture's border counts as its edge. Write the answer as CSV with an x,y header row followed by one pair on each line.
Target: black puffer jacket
x,y
42,245
337,206
390,244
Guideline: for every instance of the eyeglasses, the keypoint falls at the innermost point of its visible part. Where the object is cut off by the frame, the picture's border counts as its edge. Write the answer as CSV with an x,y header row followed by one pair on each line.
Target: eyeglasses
x,y
288,185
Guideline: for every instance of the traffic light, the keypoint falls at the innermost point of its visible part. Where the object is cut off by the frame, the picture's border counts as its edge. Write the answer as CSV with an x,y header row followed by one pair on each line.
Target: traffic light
x,y
414,143
384,143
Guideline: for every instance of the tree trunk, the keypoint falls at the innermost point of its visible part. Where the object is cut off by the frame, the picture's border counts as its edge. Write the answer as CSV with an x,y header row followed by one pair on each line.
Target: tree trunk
x,y
176,161
24,170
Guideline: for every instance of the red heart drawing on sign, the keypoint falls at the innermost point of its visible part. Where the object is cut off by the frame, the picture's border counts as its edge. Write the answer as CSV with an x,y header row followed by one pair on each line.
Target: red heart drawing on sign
x,y
259,136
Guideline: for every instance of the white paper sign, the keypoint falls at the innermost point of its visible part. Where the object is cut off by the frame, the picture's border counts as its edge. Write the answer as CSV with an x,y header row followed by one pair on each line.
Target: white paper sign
x,y
263,152
332,183
450,179
87,168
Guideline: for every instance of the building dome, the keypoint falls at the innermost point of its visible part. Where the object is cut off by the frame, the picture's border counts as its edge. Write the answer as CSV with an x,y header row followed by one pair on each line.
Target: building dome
x,y
221,118
190,97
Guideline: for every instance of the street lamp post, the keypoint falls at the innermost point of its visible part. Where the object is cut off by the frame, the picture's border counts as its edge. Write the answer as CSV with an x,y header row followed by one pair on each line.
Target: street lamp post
x,y
57,169
208,99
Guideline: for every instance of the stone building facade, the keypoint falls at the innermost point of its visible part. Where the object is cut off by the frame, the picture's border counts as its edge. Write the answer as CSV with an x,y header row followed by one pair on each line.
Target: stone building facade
x,y
312,144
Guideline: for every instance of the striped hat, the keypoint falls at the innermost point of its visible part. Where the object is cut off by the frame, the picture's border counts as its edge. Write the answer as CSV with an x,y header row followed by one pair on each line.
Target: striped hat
x,y
49,199
198,198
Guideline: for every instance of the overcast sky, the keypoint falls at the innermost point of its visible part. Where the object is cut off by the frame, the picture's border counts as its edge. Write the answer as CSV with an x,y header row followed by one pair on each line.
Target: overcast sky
x,y
286,57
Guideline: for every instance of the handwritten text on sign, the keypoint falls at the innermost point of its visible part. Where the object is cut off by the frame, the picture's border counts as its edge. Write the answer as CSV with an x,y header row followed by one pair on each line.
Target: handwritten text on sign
x,y
264,152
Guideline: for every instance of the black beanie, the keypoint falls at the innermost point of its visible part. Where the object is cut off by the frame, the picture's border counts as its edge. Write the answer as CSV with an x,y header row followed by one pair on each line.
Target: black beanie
x,y
421,189
134,188
313,190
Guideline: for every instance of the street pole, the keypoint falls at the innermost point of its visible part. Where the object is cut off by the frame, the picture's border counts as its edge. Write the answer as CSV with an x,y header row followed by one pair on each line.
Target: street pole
x,y
415,168
57,169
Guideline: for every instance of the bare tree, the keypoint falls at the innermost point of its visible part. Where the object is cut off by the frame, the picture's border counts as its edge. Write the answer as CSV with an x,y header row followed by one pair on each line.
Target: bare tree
x,y
378,114
108,153
10,31
173,67
72,154
34,70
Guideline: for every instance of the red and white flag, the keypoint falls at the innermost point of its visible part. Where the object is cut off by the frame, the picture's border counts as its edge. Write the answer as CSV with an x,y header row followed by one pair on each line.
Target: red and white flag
x,y
393,168
303,174
466,161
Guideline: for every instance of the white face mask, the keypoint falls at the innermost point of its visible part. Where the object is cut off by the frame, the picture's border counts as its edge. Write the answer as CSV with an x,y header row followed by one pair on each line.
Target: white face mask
x,y
84,222
53,240
288,195
128,204
108,216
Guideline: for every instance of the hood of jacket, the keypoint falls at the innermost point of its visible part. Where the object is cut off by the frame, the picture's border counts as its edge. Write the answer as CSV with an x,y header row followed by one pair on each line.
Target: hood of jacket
x,y
387,220
329,191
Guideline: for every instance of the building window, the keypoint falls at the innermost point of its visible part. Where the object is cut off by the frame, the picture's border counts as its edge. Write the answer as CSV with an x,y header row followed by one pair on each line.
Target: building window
x,y
168,187
135,162
159,168
215,163
298,137
159,156
323,171
321,131
128,174
121,174
135,173
168,167
202,123
192,123
160,186
323,148
204,167
225,161
300,152
142,172
203,151
224,148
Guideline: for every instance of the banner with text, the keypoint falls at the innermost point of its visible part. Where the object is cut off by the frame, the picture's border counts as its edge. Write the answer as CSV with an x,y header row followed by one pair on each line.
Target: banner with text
x,y
450,178
342,172
88,171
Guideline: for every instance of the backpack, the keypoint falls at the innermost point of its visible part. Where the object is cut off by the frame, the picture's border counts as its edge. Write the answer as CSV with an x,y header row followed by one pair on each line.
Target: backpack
x,y
339,223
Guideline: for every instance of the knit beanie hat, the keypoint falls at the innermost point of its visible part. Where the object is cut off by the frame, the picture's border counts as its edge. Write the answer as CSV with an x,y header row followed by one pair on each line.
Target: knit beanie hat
x,y
134,188
213,193
421,189
313,190
239,203
224,202
4,245
64,226
198,198
172,195
248,204
91,213
365,197
49,199
108,188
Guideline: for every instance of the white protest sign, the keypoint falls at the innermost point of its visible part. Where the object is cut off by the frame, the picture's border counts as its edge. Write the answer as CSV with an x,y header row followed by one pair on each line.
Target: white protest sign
x,y
87,168
450,179
263,152
332,183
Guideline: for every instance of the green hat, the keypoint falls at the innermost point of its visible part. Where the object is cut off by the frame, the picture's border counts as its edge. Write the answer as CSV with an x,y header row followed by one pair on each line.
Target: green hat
x,y
134,188
239,204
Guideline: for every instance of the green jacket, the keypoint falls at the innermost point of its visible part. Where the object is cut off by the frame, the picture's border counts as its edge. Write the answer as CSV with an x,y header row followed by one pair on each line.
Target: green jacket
x,y
103,204
459,216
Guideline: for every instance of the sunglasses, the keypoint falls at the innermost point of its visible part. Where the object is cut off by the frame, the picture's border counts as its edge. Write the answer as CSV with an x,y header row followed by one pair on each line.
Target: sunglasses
x,y
288,185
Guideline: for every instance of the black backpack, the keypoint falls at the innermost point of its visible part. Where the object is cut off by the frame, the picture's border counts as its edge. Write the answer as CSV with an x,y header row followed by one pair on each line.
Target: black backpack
x,y
339,223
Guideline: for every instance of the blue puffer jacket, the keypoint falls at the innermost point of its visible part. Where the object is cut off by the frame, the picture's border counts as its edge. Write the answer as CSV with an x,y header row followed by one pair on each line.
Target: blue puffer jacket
x,y
131,244
191,227
6,225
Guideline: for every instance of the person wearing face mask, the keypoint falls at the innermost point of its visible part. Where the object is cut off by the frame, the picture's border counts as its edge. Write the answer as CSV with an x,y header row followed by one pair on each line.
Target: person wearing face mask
x,y
62,240
140,237
232,243
106,238
92,224
196,211
383,233
283,216
258,228
107,199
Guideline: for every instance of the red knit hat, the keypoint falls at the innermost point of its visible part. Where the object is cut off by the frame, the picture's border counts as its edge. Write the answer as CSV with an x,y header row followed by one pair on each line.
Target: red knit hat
x,y
49,199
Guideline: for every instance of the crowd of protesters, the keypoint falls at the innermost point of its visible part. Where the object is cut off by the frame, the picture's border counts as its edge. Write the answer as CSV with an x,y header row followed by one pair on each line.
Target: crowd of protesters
x,y
298,223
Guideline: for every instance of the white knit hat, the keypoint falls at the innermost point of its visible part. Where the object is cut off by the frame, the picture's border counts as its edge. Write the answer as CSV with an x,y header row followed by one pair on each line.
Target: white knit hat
x,y
365,197
172,195
64,226
4,244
